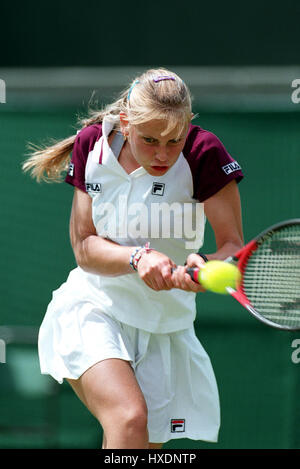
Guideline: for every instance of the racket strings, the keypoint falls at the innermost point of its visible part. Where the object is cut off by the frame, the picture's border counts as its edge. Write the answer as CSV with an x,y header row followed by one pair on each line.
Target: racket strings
x,y
271,278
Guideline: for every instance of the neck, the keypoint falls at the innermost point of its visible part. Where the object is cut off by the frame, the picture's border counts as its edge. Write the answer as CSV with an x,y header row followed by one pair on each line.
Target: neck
x,y
126,159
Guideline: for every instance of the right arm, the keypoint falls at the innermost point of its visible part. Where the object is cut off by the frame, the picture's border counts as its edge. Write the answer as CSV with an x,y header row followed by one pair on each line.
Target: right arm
x,y
92,253
102,256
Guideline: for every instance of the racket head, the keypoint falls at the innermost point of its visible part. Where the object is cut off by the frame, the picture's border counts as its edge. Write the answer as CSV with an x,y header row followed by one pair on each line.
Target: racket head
x,y
270,284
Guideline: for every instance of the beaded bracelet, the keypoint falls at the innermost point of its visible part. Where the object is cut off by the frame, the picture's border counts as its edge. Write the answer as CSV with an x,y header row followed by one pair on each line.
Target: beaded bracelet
x,y
137,254
133,255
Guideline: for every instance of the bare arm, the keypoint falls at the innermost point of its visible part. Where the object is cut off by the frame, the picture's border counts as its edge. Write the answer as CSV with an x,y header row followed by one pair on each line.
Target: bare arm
x,y
101,256
223,211
95,254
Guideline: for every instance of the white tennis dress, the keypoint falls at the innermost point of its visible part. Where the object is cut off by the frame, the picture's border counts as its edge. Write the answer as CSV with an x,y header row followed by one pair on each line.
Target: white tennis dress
x,y
93,317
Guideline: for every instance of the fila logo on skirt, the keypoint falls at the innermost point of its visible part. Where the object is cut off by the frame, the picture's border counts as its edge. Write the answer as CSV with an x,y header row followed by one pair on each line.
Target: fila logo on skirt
x,y
177,425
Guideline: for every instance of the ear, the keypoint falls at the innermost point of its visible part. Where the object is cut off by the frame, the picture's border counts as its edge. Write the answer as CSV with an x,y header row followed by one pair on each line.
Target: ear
x,y
124,123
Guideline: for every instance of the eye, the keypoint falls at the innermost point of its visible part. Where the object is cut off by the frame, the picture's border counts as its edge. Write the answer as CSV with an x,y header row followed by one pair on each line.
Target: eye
x,y
175,141
149,140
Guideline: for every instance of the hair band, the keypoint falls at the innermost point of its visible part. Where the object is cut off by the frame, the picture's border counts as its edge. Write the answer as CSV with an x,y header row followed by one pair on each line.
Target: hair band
x,y
163,77
131,88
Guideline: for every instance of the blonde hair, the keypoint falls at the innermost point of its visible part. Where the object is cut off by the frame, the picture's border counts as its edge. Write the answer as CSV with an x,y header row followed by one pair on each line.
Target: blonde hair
x,y
156,94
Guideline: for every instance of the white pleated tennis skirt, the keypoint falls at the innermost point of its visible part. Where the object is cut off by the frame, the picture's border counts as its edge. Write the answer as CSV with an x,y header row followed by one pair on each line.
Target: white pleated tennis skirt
x,y
173,370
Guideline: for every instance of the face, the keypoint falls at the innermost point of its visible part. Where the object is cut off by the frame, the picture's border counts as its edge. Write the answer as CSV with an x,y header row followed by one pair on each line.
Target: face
x,y
151,150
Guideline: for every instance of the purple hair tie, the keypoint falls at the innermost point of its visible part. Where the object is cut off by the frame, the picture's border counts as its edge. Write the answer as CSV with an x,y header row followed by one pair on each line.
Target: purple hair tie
x,y
163,77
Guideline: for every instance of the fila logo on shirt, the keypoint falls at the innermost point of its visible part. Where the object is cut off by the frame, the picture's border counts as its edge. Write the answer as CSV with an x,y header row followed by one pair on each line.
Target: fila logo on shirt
x,y
158,188
93,187
177,425
231,167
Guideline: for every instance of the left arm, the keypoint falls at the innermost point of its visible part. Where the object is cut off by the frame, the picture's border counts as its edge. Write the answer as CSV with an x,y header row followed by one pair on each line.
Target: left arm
x,y
223,211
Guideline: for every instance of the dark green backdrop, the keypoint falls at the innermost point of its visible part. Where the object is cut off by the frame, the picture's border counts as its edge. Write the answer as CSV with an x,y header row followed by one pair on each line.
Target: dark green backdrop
x,y
258,382
149,33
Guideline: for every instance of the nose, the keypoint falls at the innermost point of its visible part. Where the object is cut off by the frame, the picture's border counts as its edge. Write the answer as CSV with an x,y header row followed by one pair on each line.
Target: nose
x,y
162,155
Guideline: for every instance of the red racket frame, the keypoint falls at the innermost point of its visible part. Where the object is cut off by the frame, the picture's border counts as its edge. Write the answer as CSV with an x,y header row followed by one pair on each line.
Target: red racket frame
x,y
240,259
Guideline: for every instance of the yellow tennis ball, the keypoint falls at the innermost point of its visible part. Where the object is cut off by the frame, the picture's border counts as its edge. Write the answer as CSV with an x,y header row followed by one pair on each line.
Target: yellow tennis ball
x,y
217,275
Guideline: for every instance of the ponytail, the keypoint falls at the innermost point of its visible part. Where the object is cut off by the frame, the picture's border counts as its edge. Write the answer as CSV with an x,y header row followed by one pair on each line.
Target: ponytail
x,y
47,163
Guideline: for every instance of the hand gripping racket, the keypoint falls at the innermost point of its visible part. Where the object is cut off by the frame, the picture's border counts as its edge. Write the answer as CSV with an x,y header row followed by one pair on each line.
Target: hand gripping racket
x,y
270,268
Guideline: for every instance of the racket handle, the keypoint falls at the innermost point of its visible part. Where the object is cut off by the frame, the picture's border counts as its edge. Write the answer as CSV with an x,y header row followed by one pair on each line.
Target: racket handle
x,y
193,273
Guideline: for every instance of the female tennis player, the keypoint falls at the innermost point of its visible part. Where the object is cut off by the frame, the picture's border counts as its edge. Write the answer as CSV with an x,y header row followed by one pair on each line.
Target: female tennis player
x,y
120,329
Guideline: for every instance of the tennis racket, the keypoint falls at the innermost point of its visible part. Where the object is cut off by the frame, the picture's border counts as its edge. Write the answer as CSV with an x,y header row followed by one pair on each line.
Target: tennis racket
x,y
270,268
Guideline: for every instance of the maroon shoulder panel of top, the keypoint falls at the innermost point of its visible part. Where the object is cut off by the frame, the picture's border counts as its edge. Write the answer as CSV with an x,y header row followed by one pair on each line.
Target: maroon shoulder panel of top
x,y
211,165
84,144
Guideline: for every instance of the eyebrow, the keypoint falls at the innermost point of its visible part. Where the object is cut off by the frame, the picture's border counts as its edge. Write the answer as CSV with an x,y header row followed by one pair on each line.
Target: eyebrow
x,y
154,138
